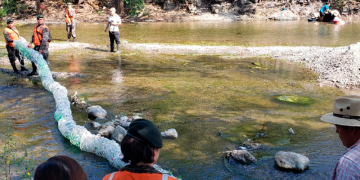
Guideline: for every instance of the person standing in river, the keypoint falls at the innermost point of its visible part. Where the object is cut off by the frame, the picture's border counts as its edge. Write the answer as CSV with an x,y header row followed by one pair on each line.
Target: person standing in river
x,y
141,148
70,15
113,25
11,34
346,118
41,38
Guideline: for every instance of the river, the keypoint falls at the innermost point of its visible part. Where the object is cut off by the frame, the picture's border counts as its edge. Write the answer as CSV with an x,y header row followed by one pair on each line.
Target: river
x,y
214,102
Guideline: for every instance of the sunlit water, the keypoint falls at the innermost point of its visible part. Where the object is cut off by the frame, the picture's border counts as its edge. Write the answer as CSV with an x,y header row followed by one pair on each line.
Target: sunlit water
x,y
214,102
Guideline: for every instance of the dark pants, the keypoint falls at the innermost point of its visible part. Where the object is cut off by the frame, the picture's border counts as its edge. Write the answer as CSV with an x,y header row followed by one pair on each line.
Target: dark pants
x,y
13,53
45,54
70,29
114,36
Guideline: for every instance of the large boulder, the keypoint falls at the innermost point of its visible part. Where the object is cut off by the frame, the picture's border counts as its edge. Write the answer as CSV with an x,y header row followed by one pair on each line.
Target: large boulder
x,y
242,156
96,112
291,161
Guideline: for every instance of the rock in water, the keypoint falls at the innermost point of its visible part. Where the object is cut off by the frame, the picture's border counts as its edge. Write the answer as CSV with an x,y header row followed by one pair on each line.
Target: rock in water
x,y
242,156
291,161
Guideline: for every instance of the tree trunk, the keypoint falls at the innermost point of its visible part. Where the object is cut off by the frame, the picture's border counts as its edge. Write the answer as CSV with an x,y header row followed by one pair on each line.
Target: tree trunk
x,y
38,6
120,8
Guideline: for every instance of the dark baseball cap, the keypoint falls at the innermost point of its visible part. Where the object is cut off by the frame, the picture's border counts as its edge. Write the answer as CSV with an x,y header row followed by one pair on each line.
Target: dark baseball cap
x,y
39,16
9,20
145,130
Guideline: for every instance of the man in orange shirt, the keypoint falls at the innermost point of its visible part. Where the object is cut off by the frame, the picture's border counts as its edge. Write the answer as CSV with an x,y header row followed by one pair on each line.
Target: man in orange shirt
x,y
11,34
141,148
70,15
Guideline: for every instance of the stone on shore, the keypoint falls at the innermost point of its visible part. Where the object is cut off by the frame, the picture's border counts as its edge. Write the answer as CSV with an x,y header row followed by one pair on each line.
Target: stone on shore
x,y
169,134
243,156
96,112
106,131
291,161
284,15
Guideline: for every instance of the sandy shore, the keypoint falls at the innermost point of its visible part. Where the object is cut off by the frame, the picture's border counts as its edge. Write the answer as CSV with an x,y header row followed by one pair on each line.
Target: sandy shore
x,y
336,66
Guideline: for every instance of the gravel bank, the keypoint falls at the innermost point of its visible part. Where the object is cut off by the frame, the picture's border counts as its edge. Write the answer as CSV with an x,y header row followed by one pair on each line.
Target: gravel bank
x,y
338,66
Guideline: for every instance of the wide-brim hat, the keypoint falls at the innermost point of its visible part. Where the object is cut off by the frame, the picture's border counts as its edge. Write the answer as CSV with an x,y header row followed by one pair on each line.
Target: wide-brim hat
x,y
346,112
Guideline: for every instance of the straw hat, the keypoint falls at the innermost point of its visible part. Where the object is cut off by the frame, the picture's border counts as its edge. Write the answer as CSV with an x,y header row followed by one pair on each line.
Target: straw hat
x,y
346,112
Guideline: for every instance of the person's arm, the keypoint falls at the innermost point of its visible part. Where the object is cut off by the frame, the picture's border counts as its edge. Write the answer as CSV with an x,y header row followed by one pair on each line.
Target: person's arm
x,y
107,26
7,37
45,38
31,41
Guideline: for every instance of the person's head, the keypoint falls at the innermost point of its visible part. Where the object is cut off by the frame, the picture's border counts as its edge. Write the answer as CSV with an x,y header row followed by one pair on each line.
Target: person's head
x,y
142,143
112,11
328,3
40,19
10,22
346,118
60,168
69,5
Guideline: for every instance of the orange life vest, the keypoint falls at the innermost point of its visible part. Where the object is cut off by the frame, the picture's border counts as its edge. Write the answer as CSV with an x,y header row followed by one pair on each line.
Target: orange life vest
x,y
69,19
38,34
120,175
13,34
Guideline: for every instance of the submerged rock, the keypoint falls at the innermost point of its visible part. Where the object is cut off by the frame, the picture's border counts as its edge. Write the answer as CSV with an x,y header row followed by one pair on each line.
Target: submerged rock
x,y
106,131
118,134
96,112
169,134
242,156
291,161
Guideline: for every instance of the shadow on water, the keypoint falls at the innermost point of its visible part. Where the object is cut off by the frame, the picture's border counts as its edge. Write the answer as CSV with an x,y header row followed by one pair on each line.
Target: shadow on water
x,y
214,102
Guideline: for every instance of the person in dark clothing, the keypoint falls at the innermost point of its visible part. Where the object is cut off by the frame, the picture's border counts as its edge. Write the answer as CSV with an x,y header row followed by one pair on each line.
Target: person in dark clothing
x,y
41,39
11,34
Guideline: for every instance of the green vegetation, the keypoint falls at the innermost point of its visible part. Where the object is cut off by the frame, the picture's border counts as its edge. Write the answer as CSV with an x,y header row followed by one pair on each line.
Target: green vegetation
x,y
13,161
134,6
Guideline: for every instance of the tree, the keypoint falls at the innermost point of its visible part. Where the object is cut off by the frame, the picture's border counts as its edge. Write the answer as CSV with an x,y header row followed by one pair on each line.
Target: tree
x,y
120,8
38,6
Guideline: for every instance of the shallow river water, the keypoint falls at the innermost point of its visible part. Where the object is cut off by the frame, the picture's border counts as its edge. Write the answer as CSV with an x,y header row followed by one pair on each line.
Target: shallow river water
x,y
216,103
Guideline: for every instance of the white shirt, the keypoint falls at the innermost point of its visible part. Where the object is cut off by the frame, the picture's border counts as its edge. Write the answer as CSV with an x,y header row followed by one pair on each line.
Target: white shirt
x,y
114,19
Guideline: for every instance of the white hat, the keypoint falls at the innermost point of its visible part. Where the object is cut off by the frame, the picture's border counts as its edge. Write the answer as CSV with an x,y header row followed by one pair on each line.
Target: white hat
x,y
346,112
112,9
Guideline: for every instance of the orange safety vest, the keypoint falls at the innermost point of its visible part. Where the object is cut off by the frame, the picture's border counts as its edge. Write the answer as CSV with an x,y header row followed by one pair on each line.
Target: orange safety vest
x,y
120,175
13,34
38,31
69,19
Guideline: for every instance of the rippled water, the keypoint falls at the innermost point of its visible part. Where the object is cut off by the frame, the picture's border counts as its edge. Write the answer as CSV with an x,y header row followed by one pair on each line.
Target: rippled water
x,y
214,102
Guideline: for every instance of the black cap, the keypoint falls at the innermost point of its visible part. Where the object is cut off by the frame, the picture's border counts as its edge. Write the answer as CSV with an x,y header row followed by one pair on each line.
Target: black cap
x,y
9,20
39,16
145,130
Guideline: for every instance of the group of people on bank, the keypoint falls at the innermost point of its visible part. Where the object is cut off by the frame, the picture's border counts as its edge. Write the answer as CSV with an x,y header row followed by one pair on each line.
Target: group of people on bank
x,y
42,37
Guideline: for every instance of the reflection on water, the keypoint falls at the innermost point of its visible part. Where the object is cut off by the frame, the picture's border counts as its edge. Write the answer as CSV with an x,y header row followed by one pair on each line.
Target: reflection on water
x,y
214,102
257,33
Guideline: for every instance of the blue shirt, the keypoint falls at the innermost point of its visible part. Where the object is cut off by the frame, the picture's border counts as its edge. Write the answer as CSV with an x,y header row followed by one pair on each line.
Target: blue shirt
x,y
348,166
324,8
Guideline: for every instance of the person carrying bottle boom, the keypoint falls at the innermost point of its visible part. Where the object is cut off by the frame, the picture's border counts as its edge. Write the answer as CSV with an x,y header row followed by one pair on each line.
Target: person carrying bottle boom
x,y
11,34
41,38
70,15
